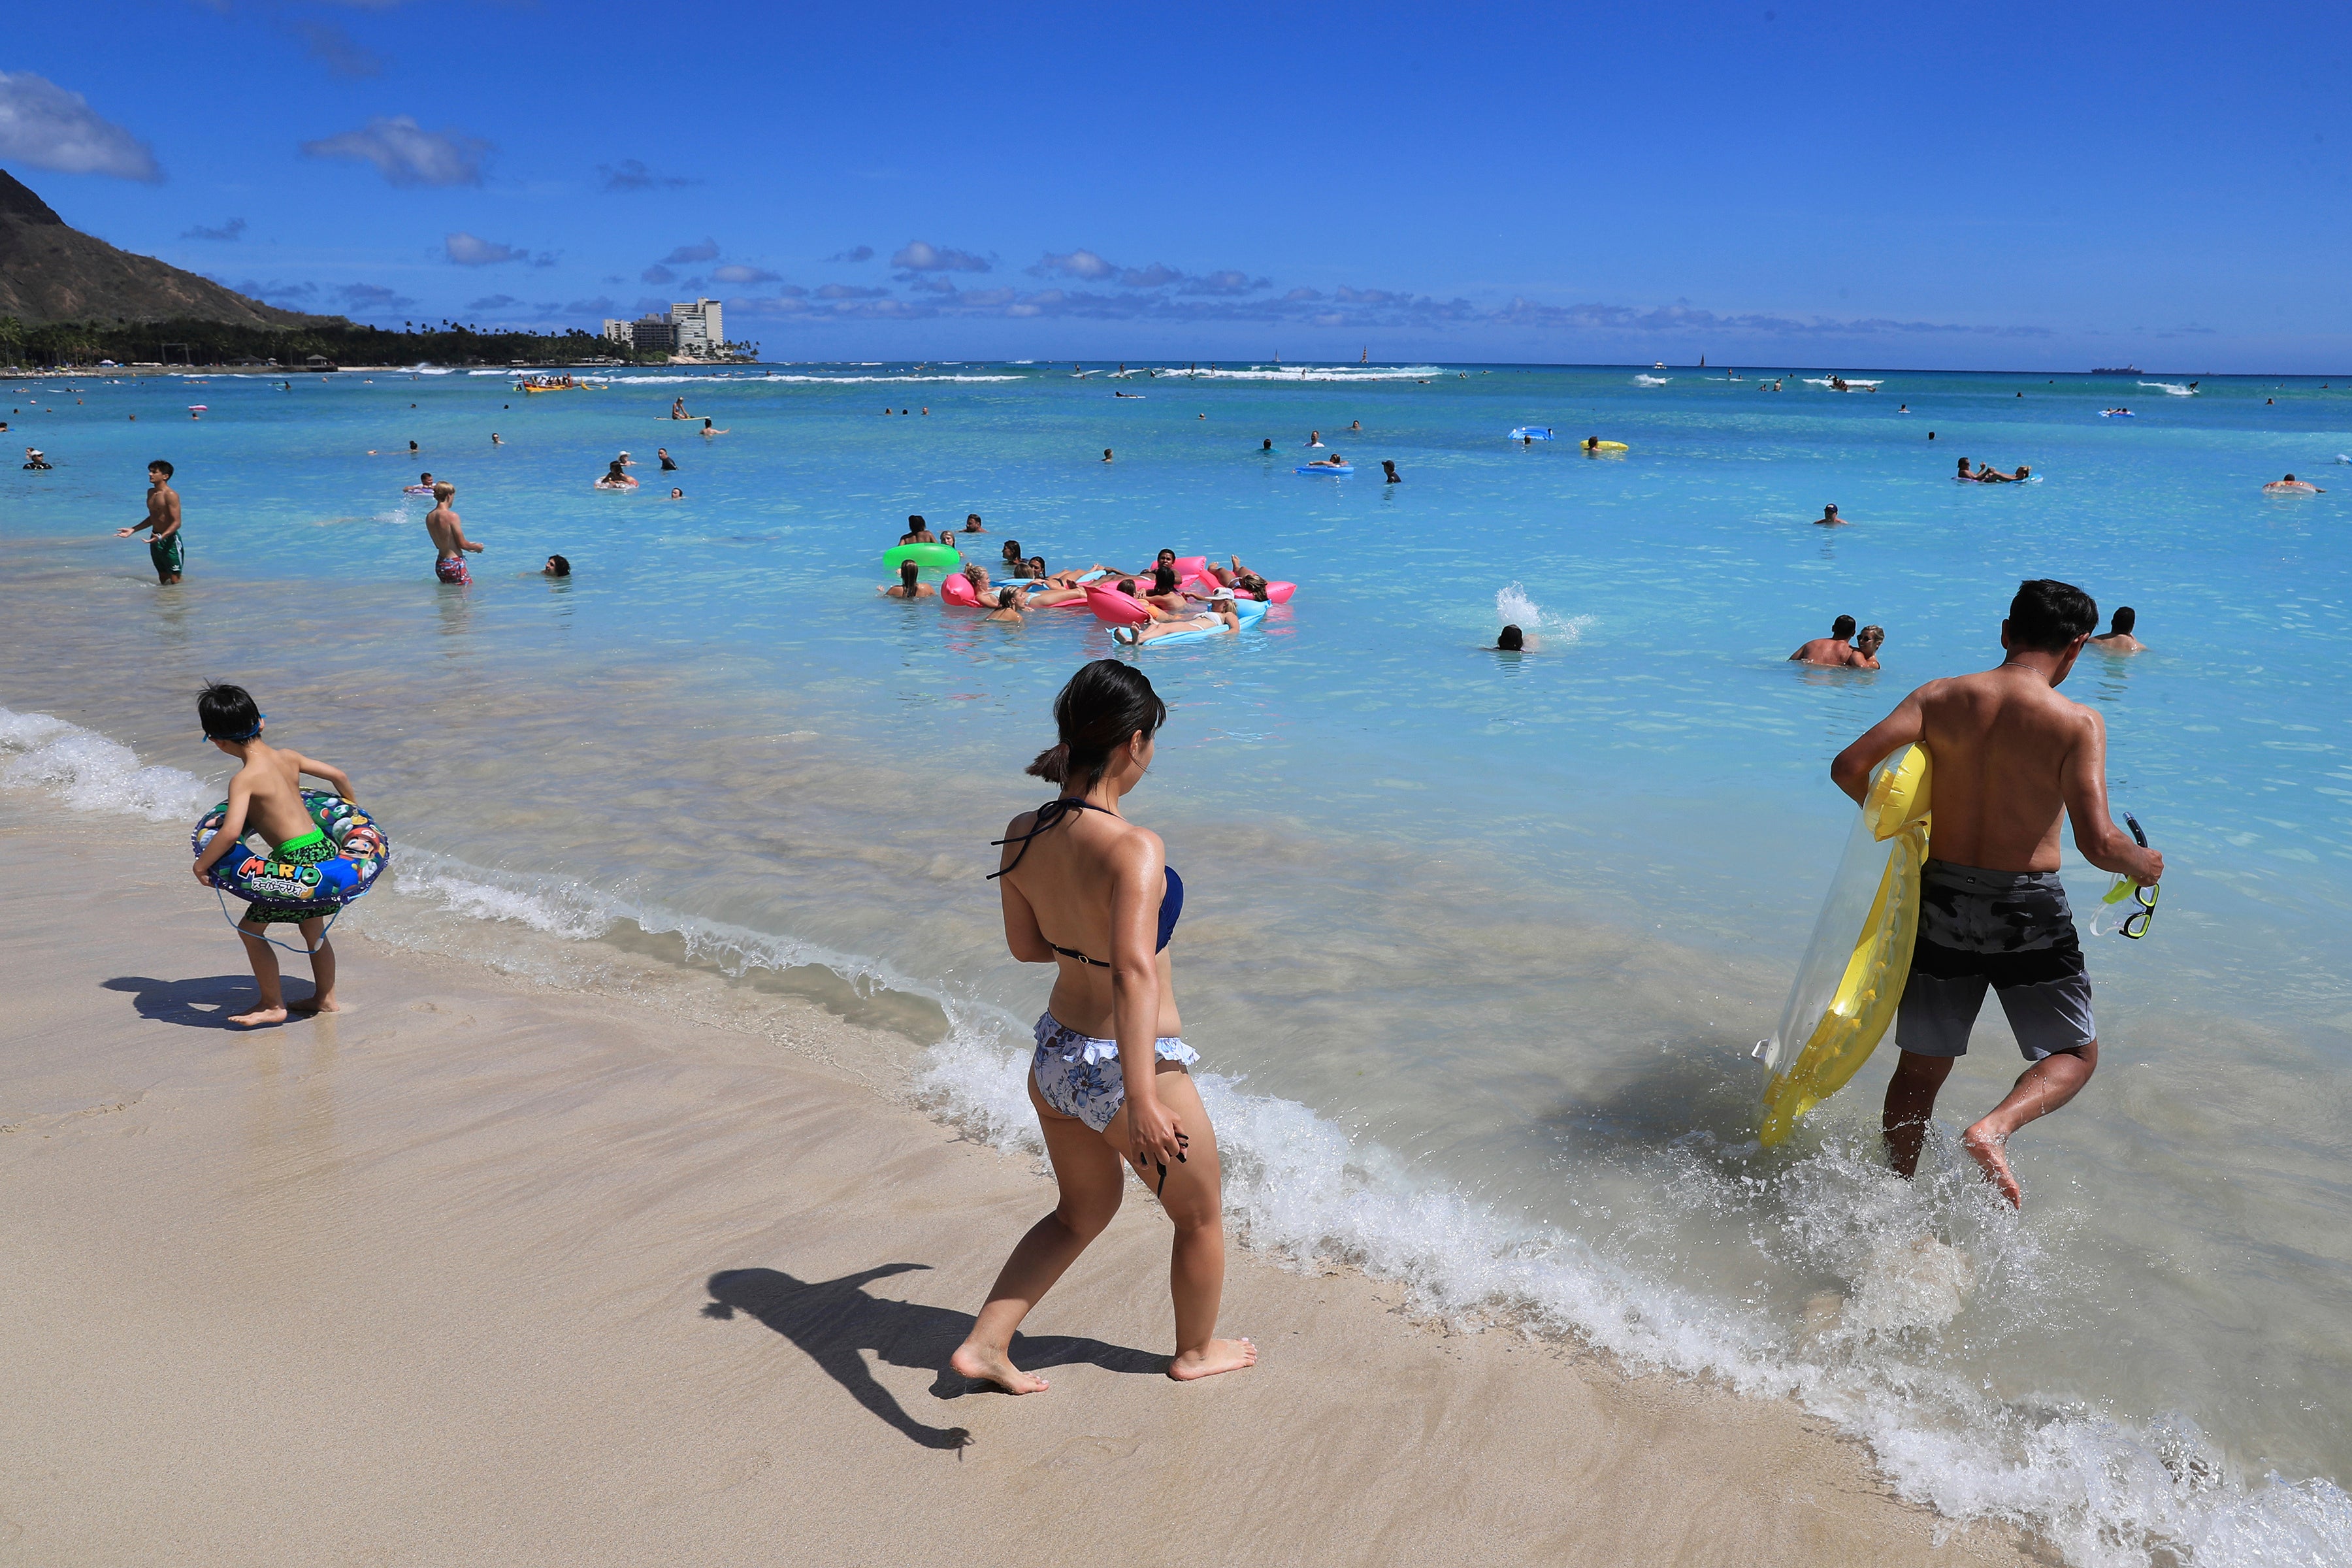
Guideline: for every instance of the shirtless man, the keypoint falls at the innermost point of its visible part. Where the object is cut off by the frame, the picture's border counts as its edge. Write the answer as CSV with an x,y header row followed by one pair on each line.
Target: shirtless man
x,y
2291,486
2119,638
1830,518
918,532
165,548
449,541
1834,650
2011,757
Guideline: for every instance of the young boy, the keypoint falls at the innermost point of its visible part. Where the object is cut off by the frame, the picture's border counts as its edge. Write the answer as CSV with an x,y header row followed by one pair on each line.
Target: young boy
x,y
265,796
165,547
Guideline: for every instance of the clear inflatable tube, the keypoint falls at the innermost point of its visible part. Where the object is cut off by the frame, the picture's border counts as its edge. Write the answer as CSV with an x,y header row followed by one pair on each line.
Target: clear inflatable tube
x,y
1851,980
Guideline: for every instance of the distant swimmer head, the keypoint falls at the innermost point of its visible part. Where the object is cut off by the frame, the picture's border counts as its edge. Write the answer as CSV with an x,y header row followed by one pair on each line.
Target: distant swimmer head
x,y
971,519
425,478
1163,579
2126,619
557,566
1393,477
229,713
1511,640
2023,472
914,523
1012,550
676,494
1268,444
1126,586
1168,557
1843,627
1106,708
907,577
1870,639
1037,567
2049,616
1004,597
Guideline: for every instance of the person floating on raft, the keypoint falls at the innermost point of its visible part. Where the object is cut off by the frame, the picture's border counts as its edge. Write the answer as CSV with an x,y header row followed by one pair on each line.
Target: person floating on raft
x,y
265,796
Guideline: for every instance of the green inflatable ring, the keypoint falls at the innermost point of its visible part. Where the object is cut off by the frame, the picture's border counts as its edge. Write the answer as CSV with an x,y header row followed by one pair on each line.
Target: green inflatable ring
x,y
931,557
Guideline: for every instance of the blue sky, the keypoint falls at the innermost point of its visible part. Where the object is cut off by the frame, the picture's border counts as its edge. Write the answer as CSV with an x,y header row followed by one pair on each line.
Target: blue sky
x,y
1991,185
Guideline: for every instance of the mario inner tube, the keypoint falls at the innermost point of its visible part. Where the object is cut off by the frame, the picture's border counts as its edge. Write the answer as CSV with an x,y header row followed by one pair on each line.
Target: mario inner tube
x,y
361,852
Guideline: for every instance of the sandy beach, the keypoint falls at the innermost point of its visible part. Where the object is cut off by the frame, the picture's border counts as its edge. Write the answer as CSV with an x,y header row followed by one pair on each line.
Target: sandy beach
x,y
481,1271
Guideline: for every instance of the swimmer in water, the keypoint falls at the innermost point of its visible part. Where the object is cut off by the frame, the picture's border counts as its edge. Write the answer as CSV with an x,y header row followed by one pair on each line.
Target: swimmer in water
x,y
2291,486
1510,639
1967,474
2118,638
669,463
1334,461
907,587
676,494
1394,478
709,429
614,480
1989,475
1315,437
495,439
1355,425
1164,593
1834,650
1830,518
1106,454
1866,644
918,532
1011,554
1268,447
971,523
450,545
557,566
1008,606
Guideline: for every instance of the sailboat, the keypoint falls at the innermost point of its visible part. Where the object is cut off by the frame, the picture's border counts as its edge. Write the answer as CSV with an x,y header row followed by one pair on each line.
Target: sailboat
x,y
1367,358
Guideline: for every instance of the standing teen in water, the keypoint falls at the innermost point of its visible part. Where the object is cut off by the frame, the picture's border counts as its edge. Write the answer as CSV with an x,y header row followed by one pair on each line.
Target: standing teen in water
x,y
1108,1079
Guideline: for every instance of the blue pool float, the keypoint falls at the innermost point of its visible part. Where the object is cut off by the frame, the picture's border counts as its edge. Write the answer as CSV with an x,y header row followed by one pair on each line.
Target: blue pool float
x,y
1342,470
1532,433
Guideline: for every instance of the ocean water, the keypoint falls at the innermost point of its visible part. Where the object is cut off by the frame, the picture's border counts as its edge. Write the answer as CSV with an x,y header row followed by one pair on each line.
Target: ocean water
x,y
1476,945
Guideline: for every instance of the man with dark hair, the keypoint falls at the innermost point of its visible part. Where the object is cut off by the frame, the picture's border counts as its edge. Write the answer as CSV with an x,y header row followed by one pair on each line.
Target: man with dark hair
x,y
1834,650
165,548
2010,758
2119,638
917,532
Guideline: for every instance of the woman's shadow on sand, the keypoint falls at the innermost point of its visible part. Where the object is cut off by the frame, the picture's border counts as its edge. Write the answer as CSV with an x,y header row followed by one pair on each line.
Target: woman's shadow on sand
x,y
832,1321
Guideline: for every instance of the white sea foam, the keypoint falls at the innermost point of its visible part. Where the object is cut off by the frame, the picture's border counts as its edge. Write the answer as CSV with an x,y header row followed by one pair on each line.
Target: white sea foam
x,y
2171,388
1308,372
91,772
1514,608
2106,1492
1651,379
621,381
1850,380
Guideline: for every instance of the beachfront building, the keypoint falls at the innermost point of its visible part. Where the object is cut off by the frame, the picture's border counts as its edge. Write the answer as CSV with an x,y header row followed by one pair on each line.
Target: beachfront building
x,y
697,322
618,331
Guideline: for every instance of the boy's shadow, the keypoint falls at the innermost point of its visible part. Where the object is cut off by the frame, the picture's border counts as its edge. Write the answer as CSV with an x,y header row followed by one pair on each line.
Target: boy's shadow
x,y
833,1320
206,1003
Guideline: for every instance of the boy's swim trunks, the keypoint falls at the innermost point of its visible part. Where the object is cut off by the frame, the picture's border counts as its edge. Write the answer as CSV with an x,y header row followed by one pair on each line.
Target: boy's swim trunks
x,y
2010,929
452,569
308,849
166,554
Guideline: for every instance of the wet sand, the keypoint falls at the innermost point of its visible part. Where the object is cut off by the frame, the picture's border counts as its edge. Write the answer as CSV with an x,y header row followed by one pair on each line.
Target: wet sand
x,y
480,1270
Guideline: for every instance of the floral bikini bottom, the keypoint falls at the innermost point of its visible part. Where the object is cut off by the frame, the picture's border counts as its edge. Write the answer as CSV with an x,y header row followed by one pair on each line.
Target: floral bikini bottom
x,y
1078,1074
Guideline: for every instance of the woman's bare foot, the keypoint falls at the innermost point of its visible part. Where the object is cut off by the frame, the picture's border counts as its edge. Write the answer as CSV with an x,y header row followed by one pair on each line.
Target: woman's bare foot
x,y
1985,1147
1216,1356
315,1004
994,1366
259,1017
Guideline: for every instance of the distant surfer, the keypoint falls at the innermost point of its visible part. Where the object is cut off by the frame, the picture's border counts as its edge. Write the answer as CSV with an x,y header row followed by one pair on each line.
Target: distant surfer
x,y
2010,759
1835,650
2118,638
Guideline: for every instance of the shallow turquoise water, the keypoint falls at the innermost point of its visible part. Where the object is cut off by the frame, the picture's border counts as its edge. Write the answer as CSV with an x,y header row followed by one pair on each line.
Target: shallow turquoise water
x,y
1480,930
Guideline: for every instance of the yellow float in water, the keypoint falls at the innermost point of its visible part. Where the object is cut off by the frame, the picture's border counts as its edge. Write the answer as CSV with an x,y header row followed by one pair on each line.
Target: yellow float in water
x,y
1590,445
1854,968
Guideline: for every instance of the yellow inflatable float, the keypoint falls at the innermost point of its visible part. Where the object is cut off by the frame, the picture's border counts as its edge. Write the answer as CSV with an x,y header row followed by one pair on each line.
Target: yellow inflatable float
x,y
1854,968
1593,444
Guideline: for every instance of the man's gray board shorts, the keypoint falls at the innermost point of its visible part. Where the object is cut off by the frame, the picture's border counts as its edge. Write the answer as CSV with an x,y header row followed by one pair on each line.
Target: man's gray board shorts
x,y
2013,931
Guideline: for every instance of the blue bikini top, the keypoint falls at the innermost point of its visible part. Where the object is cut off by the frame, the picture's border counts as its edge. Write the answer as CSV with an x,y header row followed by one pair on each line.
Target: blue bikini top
x,y
1052,813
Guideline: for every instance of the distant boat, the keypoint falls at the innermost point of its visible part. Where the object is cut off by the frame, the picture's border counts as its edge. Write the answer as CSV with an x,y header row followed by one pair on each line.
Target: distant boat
x,y
1659,365
2118,370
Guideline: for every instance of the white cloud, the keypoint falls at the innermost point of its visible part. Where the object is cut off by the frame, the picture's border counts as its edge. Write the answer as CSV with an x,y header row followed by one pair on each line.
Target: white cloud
x,y
657,274
687,255
916,256
858,253
471,250
735,272
491,302
45,127
405,154
233,230
1072,263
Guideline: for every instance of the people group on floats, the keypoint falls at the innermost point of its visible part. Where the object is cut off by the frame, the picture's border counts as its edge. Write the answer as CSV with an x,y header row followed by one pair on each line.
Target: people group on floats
x,y
1170,604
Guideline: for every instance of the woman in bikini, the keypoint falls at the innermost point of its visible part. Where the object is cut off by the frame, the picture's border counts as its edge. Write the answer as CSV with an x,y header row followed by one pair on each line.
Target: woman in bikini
x,y
1108,1079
